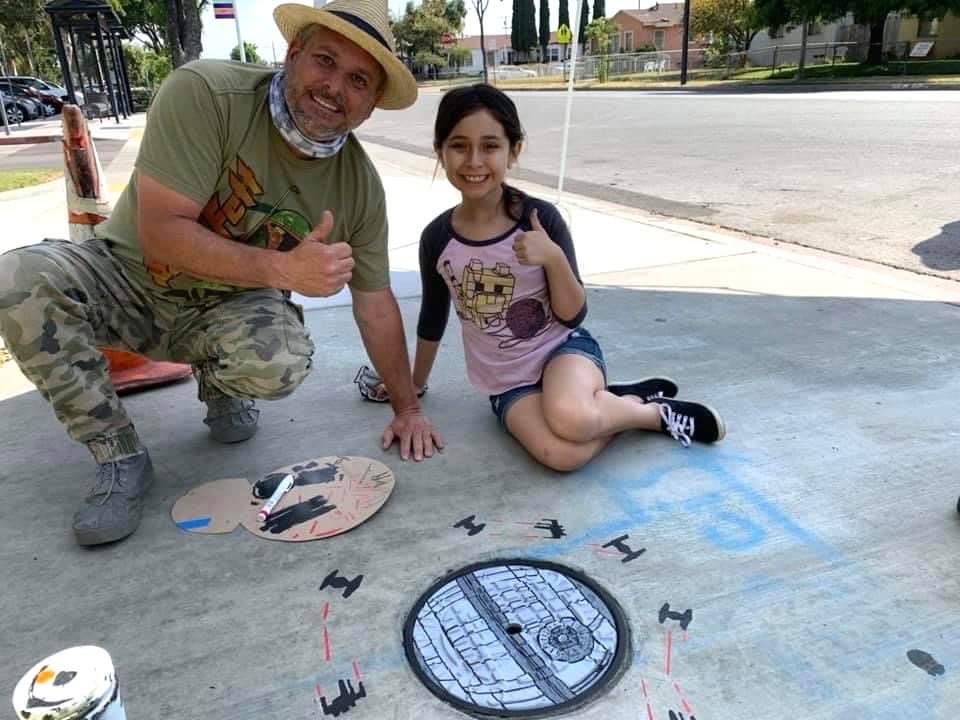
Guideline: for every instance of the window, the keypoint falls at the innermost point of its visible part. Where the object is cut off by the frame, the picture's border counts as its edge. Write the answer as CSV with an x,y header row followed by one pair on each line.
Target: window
x,y
628,41
658,38
928,28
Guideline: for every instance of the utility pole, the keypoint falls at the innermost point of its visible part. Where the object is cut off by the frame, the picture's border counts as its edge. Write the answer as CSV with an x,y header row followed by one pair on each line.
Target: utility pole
x,y
685,56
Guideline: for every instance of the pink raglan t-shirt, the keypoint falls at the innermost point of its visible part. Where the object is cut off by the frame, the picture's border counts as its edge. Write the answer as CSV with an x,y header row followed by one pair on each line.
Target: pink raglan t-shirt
x,y
508,326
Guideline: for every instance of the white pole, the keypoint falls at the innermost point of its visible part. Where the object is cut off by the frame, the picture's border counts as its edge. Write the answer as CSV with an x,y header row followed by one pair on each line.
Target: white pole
x,y
236,20
574,36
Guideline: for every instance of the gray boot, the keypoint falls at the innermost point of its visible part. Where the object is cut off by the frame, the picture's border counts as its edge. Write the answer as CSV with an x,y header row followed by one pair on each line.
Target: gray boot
x,y
231,420
113,508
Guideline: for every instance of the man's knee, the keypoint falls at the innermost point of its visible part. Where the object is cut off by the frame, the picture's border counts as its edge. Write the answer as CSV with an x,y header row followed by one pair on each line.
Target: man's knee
x,y
248,374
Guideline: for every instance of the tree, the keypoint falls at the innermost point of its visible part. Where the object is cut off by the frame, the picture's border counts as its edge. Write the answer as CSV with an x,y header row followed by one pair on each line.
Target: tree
x,y
27,38
584,21
563,14
419,30
599,32
735,22
530,37
480,7
544,29
523,30
183,30
250,50
145,20
146,67
599,9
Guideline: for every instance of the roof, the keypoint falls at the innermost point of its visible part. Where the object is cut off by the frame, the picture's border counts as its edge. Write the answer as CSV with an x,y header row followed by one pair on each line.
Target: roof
x,y
663,14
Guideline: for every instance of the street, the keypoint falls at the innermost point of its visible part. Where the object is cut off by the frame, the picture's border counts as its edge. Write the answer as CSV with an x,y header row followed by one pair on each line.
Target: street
x,y
869,174
50,155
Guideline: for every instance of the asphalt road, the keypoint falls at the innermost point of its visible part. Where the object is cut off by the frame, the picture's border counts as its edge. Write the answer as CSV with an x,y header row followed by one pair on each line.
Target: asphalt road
x,y
870,174
50,155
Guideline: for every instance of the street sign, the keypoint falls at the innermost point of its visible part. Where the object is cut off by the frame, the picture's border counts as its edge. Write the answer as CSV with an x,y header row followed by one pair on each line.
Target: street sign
x,y
921,49
564,36
446,40
223,10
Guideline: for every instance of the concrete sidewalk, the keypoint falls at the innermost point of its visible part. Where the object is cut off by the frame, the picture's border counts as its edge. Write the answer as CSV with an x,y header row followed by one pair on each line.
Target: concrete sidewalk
x,y
816,545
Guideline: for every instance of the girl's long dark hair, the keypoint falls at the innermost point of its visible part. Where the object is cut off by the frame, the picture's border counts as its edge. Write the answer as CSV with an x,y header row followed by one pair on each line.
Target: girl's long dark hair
x,y
460,102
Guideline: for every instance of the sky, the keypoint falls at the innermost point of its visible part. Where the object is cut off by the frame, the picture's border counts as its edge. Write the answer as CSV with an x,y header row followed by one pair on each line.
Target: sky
x,y
257,26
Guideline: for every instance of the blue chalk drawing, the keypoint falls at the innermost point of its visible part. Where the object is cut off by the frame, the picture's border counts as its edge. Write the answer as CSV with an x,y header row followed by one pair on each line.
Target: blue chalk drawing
x,y
194,523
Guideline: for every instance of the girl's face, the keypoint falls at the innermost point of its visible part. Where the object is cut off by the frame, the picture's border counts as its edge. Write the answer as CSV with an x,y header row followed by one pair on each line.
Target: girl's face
x,y
476,155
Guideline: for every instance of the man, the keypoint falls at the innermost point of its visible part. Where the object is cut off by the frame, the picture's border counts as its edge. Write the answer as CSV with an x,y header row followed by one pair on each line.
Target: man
x,y
249,184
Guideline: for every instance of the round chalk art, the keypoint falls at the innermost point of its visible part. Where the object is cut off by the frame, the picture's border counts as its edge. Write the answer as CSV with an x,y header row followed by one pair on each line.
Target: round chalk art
x,y
329,496
516,638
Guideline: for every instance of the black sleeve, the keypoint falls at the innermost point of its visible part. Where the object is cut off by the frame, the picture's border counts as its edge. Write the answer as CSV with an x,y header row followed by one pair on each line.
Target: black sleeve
x,y
435,297
557,229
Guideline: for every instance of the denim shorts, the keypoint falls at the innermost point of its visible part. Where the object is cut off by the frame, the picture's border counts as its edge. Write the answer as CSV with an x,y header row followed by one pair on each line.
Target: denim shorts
x,y
578,342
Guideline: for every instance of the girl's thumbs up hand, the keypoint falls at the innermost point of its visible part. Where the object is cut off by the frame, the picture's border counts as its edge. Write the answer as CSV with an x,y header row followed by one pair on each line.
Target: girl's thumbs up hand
x,y
534,247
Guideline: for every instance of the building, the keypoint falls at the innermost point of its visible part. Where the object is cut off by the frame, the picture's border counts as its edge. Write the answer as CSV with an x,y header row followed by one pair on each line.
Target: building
x,y
845,40
499,51
659,27
905,31
840,40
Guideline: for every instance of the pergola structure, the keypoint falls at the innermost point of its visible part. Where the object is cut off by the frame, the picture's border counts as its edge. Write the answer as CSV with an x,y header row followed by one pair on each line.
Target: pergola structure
x,y
90,29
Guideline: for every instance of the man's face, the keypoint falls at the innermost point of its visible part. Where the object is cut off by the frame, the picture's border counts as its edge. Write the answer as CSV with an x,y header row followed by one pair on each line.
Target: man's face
x,y
332,85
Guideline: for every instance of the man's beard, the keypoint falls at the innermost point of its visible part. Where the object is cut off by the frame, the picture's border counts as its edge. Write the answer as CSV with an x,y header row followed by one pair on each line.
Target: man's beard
x,y
305,124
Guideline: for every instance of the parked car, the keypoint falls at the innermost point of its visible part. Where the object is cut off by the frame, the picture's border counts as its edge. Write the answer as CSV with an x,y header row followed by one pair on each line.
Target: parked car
x,y
18,111
50,93
28,96
512,72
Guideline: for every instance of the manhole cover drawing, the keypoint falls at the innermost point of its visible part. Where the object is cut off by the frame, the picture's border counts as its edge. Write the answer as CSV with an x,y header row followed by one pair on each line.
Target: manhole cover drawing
x,y
516,638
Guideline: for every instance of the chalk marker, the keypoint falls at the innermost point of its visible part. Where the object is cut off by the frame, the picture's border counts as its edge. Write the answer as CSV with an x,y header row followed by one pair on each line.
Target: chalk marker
x,y
284,487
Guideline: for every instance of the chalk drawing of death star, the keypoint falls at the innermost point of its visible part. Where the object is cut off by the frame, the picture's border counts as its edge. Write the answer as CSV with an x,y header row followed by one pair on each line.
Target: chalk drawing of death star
x,y
330,495
517,638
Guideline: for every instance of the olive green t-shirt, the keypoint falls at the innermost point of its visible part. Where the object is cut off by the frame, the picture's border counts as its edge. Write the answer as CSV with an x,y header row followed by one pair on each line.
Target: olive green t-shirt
x,y
210,137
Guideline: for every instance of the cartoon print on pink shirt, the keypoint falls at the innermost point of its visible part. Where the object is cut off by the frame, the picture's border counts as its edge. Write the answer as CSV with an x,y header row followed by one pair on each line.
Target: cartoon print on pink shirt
x,y
485,297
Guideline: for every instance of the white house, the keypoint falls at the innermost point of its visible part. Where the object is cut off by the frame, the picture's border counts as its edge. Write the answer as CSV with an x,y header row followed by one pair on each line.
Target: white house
x,y
841,39
499,51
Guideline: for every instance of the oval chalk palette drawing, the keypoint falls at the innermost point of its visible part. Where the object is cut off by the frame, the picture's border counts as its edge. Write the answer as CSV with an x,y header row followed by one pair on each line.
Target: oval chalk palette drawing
x,y
516,638
213,508
330,496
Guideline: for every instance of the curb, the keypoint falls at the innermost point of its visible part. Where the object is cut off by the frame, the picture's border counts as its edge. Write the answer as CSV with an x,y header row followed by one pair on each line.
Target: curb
x,y
30,139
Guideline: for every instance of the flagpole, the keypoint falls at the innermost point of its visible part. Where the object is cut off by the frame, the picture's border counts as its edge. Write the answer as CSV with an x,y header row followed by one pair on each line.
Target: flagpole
x,y
236,20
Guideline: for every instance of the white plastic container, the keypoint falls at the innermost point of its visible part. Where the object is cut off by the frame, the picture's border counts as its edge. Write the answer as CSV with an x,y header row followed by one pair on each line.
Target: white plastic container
x,y
78,683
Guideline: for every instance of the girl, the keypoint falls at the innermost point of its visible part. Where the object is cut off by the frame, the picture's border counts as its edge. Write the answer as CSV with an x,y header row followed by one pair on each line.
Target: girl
x,y
507,262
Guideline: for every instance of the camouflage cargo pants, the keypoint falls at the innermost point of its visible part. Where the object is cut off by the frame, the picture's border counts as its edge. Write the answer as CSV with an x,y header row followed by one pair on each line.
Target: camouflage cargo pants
x,y
59,301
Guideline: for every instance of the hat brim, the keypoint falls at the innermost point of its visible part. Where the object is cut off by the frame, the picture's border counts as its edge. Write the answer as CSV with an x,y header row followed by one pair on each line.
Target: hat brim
x,y
401,88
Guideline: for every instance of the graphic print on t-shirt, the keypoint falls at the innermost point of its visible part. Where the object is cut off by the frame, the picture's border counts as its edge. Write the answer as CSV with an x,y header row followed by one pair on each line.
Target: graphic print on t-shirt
x,y
486,297
275,230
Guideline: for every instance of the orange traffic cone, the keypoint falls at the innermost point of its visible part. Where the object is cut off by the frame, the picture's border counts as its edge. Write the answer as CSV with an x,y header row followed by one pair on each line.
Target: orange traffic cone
x,y
87,206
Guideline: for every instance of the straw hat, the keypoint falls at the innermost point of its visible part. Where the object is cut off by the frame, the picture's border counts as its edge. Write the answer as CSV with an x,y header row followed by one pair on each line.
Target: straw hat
x,y
365,23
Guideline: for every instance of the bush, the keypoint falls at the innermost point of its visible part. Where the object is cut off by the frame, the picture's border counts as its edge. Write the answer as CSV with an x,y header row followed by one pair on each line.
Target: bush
x,y
142,97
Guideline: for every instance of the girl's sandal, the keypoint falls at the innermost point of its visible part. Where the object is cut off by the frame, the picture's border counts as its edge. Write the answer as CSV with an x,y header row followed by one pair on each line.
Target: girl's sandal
x,y
371,387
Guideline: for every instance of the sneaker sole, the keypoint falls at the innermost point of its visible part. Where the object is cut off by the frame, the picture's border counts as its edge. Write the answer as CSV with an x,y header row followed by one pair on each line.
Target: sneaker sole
x,y
625,383
721,425
234,435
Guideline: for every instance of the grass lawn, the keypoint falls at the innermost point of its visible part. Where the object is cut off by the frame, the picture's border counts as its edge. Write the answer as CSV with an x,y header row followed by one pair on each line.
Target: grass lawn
x,y
14,179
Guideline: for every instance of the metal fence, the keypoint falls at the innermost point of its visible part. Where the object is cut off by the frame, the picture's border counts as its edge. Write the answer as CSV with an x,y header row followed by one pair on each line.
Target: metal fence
x,y
708,64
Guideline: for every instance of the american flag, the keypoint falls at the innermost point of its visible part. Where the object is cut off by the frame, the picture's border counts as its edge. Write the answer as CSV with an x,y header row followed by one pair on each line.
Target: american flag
x,y
223,9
